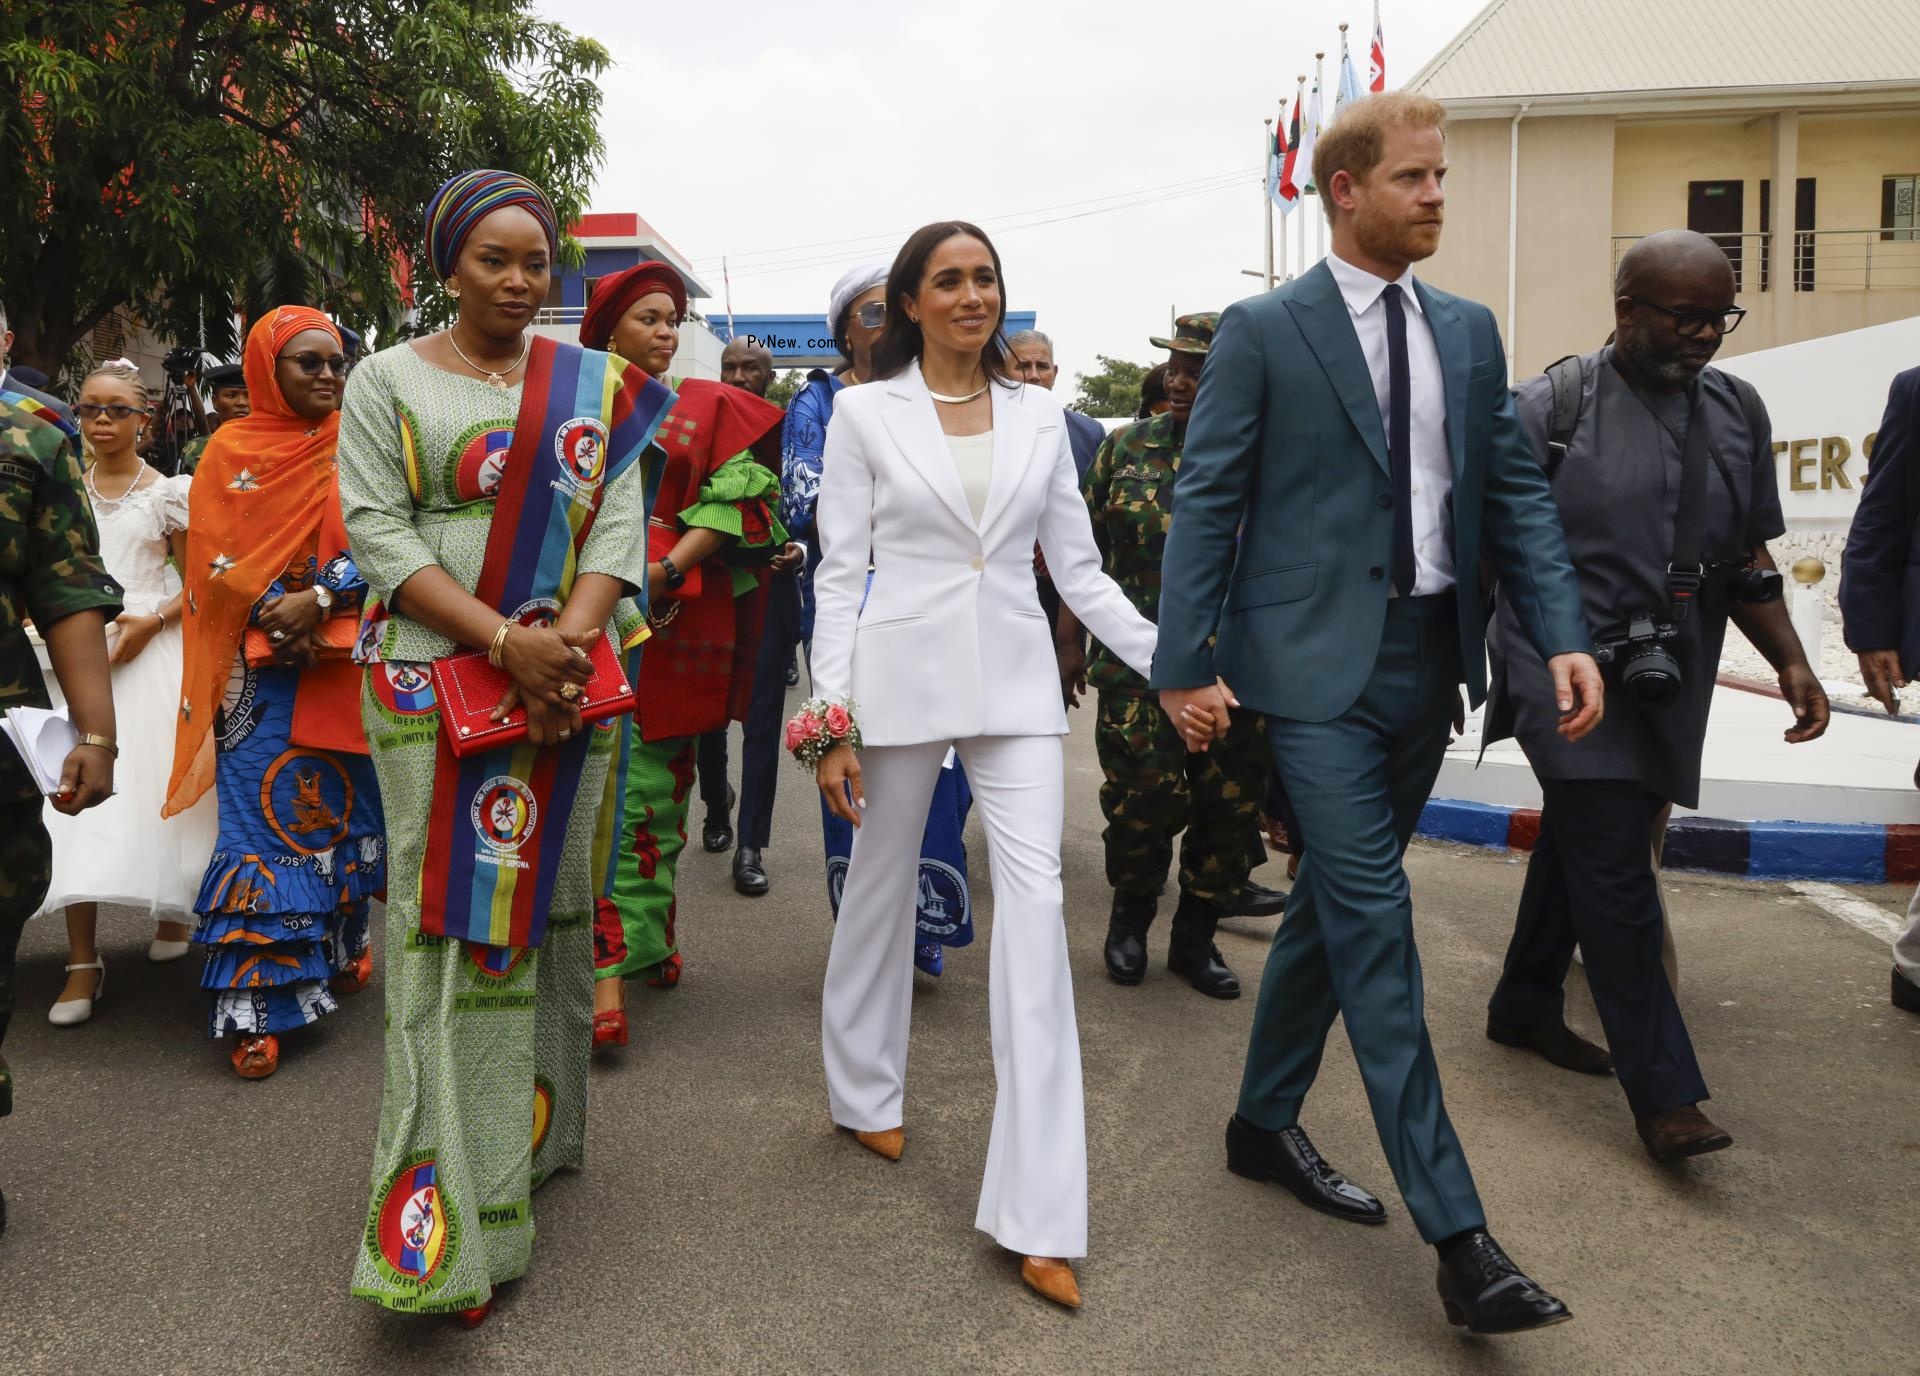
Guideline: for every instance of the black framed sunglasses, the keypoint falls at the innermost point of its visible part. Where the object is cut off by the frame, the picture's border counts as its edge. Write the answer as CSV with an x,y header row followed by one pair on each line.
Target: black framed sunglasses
x,y
88,410
1724,319
872,315
311,364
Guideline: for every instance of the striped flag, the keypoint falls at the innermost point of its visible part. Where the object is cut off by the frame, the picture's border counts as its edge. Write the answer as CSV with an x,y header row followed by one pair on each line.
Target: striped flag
x,y
1289,189
1276,160
1377,60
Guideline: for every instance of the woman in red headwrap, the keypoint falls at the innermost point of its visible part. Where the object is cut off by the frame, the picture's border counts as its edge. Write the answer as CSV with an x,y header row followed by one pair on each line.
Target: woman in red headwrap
x,y
269,702
713,523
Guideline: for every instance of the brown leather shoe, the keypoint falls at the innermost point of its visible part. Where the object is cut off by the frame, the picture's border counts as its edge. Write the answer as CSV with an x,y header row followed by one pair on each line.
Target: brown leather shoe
x,y
888,1144
1053,1278
1681,1132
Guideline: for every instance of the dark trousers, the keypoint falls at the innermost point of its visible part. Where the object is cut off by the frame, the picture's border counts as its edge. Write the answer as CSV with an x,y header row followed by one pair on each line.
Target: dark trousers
x,y
26,866
1346,945
1591,881
711,764
761,737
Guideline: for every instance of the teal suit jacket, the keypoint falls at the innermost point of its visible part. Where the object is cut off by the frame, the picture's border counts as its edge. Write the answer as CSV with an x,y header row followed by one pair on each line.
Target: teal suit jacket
x,y
1282,533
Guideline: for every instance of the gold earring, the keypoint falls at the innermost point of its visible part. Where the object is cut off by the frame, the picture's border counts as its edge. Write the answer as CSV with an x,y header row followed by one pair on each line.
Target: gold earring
x,y
453,290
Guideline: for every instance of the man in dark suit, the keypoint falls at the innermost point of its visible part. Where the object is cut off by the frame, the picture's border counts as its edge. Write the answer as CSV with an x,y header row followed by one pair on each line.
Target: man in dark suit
x,y
1349,612
1880,600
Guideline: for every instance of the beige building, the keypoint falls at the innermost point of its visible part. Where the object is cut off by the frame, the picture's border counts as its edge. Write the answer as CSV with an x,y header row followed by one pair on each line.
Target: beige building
x,y
1578,126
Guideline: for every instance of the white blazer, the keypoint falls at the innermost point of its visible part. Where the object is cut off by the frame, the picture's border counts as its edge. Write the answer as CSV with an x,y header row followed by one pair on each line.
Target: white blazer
x,y
951,642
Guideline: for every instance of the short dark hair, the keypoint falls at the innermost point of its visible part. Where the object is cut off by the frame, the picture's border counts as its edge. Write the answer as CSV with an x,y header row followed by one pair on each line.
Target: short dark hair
x,y
901,343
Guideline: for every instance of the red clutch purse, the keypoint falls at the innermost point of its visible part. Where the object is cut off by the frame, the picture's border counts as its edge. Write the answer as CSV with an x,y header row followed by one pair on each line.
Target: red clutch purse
x,y
468,688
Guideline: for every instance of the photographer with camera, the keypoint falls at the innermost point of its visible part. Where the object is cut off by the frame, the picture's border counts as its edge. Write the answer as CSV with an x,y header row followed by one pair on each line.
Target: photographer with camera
x,y
1663,472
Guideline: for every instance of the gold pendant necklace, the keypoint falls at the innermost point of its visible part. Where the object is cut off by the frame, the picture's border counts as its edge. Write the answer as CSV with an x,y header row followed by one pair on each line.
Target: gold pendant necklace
x,y
496,380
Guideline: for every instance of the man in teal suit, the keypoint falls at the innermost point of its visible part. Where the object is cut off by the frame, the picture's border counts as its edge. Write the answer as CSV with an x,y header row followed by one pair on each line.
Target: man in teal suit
x,y
1356,437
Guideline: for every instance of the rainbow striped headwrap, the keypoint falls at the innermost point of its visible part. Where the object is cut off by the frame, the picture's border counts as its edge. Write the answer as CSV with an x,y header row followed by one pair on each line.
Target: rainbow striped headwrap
x,y
462,202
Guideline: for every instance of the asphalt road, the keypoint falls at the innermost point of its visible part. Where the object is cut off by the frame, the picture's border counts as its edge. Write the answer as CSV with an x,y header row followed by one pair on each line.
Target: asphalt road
x,y
168,1217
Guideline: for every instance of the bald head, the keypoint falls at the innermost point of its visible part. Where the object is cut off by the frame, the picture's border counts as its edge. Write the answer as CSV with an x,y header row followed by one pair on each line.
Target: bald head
x,y
1674,259
746,365
1673,304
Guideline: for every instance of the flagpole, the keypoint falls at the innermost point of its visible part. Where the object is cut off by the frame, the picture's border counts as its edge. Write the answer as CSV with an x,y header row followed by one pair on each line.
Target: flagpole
x,y
1266,195
1319,220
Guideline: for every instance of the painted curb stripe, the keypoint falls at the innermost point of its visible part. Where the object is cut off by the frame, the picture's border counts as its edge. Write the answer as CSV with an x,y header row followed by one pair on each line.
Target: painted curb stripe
x,y
1851,853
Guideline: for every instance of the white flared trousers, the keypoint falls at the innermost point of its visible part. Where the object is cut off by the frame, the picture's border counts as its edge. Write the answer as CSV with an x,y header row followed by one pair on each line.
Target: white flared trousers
x,y
1033,1199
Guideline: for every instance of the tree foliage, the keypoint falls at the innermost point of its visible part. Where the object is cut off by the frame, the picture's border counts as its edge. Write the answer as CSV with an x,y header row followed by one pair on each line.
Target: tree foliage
x,y
196,157
786,387
1113,391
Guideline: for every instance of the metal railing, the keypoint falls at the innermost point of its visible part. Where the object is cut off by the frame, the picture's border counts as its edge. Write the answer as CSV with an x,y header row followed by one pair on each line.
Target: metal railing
x,y
1823,259
559,315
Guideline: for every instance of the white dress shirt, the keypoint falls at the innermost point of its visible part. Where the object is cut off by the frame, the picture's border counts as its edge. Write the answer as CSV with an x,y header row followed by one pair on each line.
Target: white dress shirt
x,y
1432,468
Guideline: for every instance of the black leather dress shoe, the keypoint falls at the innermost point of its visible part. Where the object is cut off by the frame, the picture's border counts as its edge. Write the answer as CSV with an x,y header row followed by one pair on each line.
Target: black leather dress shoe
x,y
1205,970
1127,924
717,834
1257,900
793,675
1561,1045
749,875
1287,1158
1906,994
1484,1292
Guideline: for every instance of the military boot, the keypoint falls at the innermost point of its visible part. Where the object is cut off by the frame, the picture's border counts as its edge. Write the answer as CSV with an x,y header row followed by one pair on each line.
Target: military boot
x,y
1127,936
1191,951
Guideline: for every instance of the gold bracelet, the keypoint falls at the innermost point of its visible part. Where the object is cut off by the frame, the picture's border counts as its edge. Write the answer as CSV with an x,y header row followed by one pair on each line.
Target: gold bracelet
x,y
105,743
499,643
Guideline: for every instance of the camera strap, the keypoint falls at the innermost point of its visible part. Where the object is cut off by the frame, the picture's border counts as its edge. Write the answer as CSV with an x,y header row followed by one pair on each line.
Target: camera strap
x,y
1686,571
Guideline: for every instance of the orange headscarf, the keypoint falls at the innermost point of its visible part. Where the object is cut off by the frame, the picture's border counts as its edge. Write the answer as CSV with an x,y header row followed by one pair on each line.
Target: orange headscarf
x,y
264,490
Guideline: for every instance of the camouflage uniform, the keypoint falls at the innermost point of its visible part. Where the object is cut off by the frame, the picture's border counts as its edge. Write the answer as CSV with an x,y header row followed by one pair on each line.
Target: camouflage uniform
x,y
49,567
1154,788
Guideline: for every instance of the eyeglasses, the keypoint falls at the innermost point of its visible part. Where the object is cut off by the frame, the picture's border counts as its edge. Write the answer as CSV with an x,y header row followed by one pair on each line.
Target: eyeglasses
x,y
87,410
1724,319
872,315
311,364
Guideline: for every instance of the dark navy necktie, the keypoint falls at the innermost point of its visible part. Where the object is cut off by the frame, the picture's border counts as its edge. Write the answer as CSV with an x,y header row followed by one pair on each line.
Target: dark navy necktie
x,y
1399,441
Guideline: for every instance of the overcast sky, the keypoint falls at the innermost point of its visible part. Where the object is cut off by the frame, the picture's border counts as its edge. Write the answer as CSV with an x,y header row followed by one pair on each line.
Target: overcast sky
x,y
761,130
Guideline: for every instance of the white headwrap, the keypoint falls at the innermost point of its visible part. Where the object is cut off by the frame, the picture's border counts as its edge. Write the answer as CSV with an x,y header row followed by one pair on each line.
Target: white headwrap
x,y
856,282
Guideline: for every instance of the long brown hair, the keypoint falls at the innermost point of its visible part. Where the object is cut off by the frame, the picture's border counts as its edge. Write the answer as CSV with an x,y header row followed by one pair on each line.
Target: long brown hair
x,y
901,344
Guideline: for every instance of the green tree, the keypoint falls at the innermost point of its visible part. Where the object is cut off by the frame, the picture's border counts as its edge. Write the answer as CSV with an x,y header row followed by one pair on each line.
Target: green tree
x,y
193,158
786,387
1113,391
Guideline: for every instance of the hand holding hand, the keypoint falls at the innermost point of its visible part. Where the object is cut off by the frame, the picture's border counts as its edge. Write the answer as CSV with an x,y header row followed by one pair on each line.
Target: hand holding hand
x,y
136,629
1200,715
541,660
293,614
86,780
838,773
1579,692
1880,670
1803,693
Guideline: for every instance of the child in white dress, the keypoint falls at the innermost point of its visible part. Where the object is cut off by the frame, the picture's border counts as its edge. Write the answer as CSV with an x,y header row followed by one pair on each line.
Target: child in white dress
x,y
122,852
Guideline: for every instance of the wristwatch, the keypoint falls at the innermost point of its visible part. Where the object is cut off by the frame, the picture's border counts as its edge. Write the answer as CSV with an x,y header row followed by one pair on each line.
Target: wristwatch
x,y
323,595
674,577
105,743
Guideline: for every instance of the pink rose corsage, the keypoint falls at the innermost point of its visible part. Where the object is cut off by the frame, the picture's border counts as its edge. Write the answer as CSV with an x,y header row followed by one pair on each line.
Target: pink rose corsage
x,y
818,727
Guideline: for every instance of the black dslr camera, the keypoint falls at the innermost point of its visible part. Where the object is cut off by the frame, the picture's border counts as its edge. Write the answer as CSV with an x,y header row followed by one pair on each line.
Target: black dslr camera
x,y
180,362
1747,584
1648,672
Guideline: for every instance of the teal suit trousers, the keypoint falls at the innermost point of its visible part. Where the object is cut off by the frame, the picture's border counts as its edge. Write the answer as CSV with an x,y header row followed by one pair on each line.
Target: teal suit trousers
x,y
1346,946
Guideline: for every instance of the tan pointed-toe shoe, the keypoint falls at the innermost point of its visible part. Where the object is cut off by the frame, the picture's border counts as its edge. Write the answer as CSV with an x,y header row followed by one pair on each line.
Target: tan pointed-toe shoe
x,y
1053,1278
888,1144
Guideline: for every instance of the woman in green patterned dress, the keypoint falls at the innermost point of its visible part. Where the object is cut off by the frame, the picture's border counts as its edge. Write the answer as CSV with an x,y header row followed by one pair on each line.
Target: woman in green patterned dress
x,y
476,463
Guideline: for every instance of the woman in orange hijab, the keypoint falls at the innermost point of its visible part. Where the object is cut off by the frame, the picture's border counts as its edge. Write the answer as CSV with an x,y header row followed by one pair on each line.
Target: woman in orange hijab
x,y
269,711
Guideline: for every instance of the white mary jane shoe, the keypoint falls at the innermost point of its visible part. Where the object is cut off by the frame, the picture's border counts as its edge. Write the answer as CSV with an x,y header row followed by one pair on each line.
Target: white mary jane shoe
x,y
160,952
73,1012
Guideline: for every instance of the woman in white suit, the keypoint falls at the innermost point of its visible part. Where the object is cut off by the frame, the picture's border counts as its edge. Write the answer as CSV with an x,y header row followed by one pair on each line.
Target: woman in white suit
x,y
942,473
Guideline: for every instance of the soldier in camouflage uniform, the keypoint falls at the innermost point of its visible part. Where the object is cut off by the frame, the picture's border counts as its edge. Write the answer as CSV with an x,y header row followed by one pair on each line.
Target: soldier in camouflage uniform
x,y
50,570
1154,788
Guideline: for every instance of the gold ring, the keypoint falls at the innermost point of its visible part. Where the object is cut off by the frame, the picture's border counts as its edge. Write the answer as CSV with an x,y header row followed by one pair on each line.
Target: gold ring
x,y
569,692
